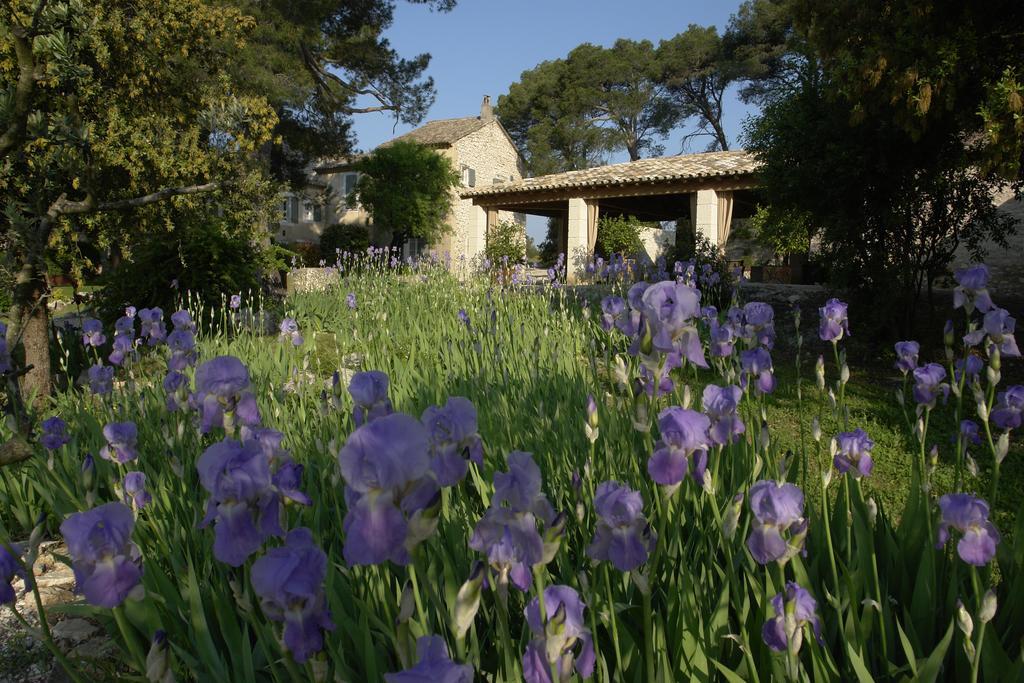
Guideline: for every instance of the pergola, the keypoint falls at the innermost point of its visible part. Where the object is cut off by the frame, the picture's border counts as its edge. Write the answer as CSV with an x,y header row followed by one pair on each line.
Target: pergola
x,y
701,187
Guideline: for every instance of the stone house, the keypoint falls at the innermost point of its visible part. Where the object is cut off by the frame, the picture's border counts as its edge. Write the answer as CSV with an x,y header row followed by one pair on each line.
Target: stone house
x,y
479,147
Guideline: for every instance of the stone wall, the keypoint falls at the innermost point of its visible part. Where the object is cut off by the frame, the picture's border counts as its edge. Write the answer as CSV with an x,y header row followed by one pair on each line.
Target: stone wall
x,y
491,154
1006,266
657,241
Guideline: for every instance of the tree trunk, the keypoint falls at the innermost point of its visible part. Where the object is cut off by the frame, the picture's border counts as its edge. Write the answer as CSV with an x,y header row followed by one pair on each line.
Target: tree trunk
x,y
32,323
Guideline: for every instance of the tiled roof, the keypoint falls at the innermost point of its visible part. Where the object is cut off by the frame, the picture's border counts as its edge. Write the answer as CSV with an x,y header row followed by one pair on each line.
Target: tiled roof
x,y
443,131
657,169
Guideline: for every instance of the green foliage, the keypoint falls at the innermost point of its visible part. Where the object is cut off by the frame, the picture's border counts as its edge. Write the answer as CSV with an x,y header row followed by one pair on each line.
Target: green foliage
x,y
197,255
407,188
350,237
786,232
506,240
619,235
696,71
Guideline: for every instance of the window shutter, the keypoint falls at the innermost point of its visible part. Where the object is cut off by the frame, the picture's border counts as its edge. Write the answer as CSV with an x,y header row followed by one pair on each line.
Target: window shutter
x,y
293,209
350,184
472,178
318,213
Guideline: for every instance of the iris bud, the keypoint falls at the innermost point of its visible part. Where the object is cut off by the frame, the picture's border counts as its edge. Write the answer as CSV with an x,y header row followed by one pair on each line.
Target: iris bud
x,y
158,669
988,606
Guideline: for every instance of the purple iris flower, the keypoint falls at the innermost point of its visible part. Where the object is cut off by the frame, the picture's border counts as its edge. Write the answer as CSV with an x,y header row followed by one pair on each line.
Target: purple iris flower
x,y
671,310
386,468
121,442
1007,412
5,355
125,325
854,453
183,349
999,326
10,567
906,355
130,312
453,440
369,391
723,339
434,665
105,561
971,366
970,432
757,363
612,308
834,323
778,529
135,487
235,302
464,317
55,433
223,396
350,300
290,330
971,291
804,608
928,385
969,516
286,474
243,503
759,324
507,533
682,448
152,326
562,636
289,581
635,296
176,388
92,333
623,536
182,320
124,344
721,405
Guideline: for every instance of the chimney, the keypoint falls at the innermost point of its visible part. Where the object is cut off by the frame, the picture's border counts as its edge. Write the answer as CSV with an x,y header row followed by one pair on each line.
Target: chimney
x,y
486,110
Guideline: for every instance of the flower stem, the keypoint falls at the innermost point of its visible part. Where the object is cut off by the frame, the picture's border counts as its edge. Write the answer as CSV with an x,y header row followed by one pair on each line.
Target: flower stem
x,y
613,618
129,638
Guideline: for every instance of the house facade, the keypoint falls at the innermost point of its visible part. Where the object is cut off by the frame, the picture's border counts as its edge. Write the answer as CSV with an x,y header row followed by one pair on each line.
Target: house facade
x,y
478,147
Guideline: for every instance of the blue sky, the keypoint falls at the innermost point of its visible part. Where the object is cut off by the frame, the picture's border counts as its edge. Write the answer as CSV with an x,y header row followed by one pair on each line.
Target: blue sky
x,y
482,46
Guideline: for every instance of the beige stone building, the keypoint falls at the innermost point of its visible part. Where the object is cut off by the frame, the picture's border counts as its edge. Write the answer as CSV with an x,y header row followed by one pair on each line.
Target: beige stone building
x,y
479,148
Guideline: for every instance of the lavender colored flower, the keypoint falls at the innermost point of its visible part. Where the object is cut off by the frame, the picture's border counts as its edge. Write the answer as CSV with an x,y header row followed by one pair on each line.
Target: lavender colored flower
x,y
235,302
386,468
454,440
759,324
124,344
183,349
103,557
623,536
464,317
434,665
721,406
612,308
969,516
682,448
1009,408
834,323
151,326
290,330
369,391
971,291
176,388
799,602
778,529
350,300
289,581
928,385
121,442
561,639
129,312
243,504
182,320
723,339
670,310
135,487
5,354
55,433
970,432
635,296
223,396
968,368
10,567
906,356
999,326
125,325
92,333
854,453
757,364
520,487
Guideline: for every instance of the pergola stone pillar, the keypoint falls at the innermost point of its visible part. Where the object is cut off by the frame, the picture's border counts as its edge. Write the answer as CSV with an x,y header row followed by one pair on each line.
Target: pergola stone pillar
x,y
706,221
476,237
581,236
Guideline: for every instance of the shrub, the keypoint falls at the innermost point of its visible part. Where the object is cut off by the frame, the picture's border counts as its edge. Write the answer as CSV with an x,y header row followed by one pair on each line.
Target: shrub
x,y
618,235
350,237
309,253
199,256
507,239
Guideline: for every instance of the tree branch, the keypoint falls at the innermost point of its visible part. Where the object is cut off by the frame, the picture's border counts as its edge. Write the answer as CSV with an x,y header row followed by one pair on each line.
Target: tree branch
x,y
62,206
14,135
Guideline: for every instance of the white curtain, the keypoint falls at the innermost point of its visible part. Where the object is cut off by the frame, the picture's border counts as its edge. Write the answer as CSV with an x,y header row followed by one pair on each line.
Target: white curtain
x,y
724,218
592,210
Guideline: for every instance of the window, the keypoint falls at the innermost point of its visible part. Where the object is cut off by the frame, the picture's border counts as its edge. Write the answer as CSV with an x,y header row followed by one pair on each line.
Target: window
x,y
413,247
307,211
290,210
468,176
348,185
318,213
498,180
